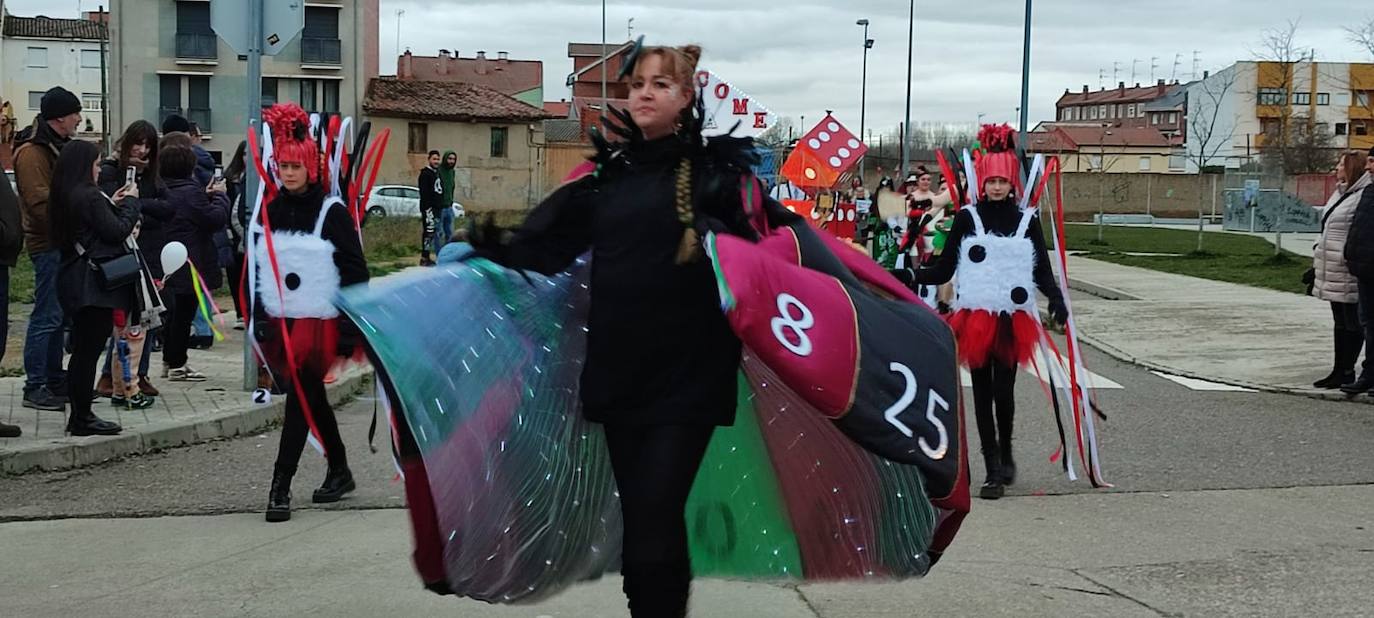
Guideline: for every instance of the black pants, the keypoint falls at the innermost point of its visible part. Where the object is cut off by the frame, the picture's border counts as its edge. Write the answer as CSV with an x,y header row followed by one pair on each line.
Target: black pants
x,y
994,385
655,467
178,330
1348,334
235,275
295,430
90,329
4,308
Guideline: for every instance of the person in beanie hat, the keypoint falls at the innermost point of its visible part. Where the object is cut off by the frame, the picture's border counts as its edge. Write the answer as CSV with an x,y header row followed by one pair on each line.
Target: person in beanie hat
x,y
176,123
35,155
996,254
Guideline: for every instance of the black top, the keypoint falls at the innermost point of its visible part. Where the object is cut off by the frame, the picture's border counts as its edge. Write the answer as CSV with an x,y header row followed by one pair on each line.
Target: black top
x,y
196,217
659,349
153,205
431,190
1000,218
298,212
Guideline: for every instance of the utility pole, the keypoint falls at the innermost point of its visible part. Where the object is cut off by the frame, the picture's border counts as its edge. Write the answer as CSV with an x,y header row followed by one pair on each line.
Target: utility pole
x,y
604,60
910,45
104,82
255,12
1025,84
399,14
863,92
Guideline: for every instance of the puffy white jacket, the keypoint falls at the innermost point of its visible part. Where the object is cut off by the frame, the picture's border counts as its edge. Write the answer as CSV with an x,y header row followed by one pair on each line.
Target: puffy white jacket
x,y
1334,282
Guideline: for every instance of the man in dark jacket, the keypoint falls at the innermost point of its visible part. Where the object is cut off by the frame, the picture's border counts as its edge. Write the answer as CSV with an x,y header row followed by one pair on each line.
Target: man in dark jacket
x,y
45,382
205,164
431,200
11,243
1359,258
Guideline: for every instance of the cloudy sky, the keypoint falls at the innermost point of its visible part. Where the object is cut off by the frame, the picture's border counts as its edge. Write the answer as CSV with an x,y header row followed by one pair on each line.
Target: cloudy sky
x,y
801,57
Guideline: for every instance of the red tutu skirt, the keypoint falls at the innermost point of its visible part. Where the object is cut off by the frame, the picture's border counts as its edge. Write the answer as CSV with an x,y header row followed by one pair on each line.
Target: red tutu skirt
x,y
314,344
1009,339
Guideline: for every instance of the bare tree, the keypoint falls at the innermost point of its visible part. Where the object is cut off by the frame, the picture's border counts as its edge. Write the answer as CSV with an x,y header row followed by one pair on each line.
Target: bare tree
x,y
1208,131
780,134
1279,50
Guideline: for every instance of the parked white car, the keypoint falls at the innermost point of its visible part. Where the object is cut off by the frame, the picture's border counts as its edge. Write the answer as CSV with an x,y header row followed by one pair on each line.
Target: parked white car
x,y
400,201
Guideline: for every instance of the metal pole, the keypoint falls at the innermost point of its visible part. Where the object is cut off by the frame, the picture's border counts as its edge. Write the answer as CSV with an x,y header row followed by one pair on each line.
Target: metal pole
x,y
863,98
250,179
910,45
104,83
604,59
1025,82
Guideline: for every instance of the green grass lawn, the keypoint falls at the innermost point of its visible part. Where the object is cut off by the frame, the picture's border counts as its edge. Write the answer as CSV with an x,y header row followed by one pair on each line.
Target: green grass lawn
x,y
1234,258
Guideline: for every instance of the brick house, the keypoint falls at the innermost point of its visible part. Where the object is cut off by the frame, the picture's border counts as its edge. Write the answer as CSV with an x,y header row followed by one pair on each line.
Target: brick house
x,y
521,79
1136,107
585,80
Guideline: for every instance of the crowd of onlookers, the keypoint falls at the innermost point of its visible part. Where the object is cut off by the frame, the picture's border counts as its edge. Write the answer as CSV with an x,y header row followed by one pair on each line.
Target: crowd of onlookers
x,y
94,227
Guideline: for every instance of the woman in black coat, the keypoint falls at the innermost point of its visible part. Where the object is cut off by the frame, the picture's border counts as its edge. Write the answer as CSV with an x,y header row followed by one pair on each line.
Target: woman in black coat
x,y
90,229
198,213
138,150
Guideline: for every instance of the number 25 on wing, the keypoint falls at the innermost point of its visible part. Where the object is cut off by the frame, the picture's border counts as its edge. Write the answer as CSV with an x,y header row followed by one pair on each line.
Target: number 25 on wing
x,y
792,328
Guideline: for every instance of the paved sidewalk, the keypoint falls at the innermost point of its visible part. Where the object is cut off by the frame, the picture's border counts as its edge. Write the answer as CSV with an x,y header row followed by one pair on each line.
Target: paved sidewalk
x,y
1224,332
185,413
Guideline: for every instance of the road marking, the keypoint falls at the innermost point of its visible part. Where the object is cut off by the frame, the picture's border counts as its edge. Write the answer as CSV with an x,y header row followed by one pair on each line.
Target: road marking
x,y
1203,385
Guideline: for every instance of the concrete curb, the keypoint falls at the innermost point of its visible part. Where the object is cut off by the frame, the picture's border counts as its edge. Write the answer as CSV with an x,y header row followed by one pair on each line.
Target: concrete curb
x,y
1100,291
79,452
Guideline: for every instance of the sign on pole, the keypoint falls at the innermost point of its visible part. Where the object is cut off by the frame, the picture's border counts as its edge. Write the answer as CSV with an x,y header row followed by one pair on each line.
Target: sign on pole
x,y
282,21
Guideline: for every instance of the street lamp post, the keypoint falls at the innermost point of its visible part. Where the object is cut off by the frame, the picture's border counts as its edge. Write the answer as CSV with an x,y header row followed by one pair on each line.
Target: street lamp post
x,y
910,43
863,92
1025,81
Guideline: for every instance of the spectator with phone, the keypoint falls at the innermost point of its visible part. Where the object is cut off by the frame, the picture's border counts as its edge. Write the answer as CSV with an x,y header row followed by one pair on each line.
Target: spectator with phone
x,y
134,163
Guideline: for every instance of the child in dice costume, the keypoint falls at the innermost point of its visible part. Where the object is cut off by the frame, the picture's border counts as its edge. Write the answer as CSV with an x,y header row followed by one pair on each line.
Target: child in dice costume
x,y
306,248
995,251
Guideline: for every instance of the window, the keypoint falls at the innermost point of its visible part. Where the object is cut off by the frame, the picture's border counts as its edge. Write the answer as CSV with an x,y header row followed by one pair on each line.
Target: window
x,y
90,101
1064,114
194,37
1322,128
1173,117
90,58
269,91
1095,162
1178,162
331,96
198,101
1272,96
1154,118
37,58
418,139
1362,98
320,38
1302,98
498,141
308,99
1144,164
410,193
1101,111
35,99
1361,129
1323,98
1341,128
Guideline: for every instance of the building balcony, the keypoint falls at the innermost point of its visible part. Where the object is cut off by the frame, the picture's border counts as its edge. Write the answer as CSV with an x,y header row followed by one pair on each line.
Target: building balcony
x,y
317,50
200,116
197,46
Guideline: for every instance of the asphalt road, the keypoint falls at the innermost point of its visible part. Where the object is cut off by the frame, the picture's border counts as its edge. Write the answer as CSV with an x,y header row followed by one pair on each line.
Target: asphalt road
x,y
1159,437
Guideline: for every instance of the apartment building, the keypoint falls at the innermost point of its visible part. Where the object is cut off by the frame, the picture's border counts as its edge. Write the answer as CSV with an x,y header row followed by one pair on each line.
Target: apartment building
x,y
41,52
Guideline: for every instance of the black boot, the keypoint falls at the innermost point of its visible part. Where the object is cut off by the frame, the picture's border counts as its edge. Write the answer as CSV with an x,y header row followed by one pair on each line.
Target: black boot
x,y
1008,464
993,487
1361,384
1342,371
337,482
91,425
279,497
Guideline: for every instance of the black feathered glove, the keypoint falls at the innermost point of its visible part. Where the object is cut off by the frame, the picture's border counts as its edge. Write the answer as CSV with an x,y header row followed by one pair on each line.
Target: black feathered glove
x,y
1059,312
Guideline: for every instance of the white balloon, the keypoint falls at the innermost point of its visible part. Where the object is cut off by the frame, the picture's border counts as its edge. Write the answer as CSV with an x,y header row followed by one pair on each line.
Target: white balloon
x,y
173,257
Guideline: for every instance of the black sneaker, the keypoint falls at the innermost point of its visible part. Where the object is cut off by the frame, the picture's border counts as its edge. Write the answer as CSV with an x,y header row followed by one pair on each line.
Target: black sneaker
x,y
42,399
992,490
138,402
10,431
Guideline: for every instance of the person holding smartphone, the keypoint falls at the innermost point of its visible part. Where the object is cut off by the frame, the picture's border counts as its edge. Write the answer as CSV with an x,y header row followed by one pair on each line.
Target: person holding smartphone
x,y
135,164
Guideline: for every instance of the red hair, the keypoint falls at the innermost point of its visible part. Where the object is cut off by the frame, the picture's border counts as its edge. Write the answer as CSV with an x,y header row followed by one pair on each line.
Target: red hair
x,y
291,141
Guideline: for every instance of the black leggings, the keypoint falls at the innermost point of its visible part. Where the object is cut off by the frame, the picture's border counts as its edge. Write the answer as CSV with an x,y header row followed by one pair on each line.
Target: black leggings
x,y
994,383
655,467
294,429
91,327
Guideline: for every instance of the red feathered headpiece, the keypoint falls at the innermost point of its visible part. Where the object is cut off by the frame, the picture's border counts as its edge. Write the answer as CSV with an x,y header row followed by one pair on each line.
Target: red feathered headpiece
x,y
1000,159
291,139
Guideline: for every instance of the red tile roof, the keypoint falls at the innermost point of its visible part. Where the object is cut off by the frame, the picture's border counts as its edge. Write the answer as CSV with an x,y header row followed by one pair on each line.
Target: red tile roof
x,y
594,49
388,96
507,76
44,27
1068,138
562,109
1117,95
